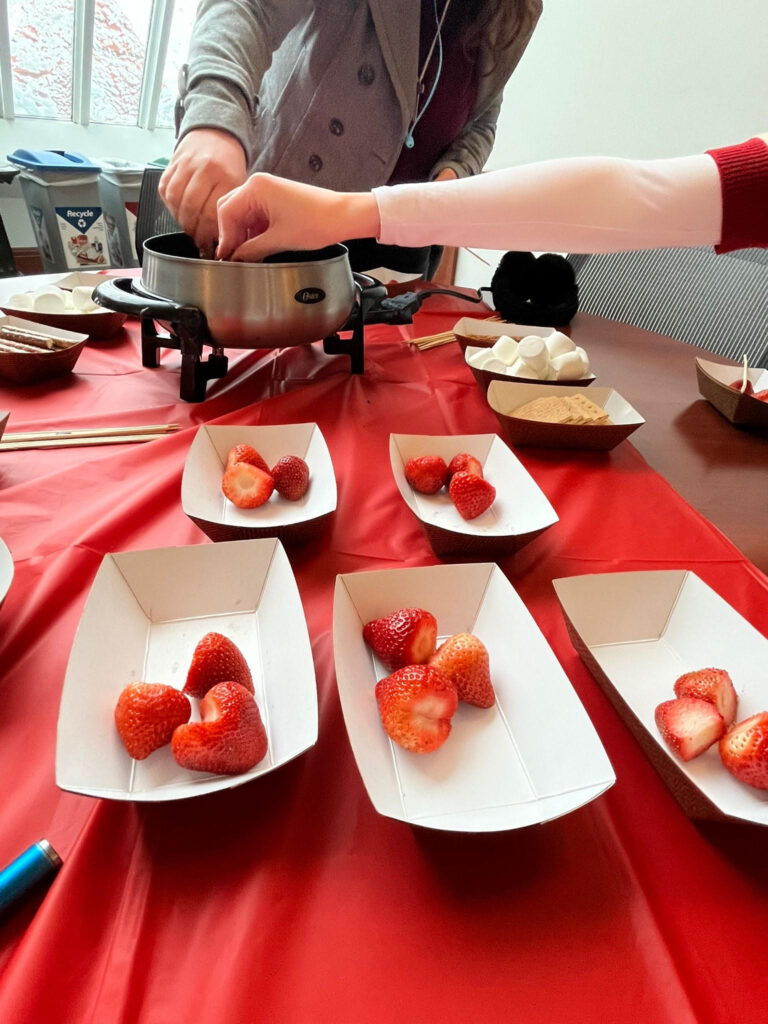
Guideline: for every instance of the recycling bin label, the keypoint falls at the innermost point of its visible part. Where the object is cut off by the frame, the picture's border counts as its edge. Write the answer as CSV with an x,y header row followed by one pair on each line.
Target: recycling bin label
x,y
83,235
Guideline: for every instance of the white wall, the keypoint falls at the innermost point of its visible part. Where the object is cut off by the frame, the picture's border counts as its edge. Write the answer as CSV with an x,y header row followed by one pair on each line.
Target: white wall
x,y
636,78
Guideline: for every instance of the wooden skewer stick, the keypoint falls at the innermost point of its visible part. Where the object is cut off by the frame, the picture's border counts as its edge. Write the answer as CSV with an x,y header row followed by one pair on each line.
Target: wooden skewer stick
x,y
61,435
76,442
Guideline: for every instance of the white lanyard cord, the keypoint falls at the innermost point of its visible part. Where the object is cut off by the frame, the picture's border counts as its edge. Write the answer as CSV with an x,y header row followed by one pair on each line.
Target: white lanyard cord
x,y
437,40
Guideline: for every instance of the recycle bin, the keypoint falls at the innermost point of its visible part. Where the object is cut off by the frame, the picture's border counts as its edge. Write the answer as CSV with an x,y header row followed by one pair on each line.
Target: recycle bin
x,y
61,191
119,188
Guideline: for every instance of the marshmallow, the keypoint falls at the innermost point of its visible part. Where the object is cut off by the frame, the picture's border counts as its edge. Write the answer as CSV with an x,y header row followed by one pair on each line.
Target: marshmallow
x,y
570,366
558,344
496,366
82,298
480,357
584,359
505,349
49,300
533,352
521,369
22,300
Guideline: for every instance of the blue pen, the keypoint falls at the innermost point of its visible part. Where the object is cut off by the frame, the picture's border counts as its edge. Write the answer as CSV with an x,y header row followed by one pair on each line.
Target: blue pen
x,y
38,862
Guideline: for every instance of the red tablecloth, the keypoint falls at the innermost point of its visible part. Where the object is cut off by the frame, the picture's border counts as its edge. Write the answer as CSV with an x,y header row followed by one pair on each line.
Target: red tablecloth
x,y
289,899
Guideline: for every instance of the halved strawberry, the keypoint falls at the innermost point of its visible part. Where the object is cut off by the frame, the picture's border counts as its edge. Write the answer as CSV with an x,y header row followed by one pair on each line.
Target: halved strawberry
x,y
738,385
761,396
464,463
246,453
291,476
247,486
216,659
146,715
416,704
689,725
426,473
463,658
231,737
471,494
712,684
405,637
744,750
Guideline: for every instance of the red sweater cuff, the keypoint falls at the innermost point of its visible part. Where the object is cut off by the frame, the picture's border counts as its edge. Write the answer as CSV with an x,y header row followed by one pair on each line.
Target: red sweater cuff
x,y
744,181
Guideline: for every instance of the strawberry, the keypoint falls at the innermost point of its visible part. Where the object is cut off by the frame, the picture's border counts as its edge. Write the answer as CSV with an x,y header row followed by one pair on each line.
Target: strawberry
x,y
464,660
247,486
464,463
744,751
737,385
406,637
146,715
416,704
216,659
246,453
714,685
472,495
291,476
231,737
761,396
426,473
689,725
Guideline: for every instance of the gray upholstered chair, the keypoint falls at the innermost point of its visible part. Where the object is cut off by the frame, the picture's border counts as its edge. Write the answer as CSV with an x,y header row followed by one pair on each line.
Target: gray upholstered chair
x,y
719,303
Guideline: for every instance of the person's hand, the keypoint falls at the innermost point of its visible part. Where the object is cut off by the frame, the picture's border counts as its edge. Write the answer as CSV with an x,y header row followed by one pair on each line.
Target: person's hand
x,y
447,174
205,166
269,214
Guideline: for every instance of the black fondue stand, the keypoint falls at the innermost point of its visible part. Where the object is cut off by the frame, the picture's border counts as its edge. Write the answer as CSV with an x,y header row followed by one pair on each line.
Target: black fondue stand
x,y
186,327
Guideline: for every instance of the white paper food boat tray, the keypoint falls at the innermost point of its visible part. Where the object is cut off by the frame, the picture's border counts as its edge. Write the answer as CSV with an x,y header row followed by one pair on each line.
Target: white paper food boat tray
x,y
143,617
533,757
519,512
639,631
204,502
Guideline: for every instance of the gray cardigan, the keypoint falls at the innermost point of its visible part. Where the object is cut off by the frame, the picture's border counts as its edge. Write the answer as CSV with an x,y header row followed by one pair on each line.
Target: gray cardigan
x,y
323,91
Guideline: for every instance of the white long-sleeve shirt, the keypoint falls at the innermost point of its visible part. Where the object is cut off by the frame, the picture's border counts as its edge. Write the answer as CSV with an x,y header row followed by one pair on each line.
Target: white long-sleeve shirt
x,y
579,204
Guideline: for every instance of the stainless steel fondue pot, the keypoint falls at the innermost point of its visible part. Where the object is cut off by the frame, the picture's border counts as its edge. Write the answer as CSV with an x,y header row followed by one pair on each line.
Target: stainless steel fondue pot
x,y
293,298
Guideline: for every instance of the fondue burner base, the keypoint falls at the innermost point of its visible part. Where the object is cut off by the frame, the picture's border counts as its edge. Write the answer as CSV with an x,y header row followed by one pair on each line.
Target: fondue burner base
x,y
187,327
352,346
187,334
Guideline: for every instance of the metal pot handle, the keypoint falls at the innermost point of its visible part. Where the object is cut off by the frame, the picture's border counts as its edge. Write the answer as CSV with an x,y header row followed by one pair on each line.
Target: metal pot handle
x,y
116,293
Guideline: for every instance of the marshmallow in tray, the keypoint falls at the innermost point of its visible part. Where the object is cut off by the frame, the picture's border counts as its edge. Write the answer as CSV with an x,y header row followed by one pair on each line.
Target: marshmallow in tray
x,y
534,358
571,365
51,300
55,300
82,299
21,300
558,344
498,358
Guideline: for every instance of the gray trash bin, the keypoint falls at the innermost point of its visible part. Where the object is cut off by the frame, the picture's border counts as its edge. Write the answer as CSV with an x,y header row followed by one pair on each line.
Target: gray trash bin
x,y
119,188
61,191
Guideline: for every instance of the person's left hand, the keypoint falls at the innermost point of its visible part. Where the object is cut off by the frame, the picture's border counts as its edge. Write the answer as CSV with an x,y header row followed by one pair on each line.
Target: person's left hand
x,y
447,174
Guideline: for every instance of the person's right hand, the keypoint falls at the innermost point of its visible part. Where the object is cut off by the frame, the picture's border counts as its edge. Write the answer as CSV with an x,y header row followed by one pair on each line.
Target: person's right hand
x,y
269,214
205,166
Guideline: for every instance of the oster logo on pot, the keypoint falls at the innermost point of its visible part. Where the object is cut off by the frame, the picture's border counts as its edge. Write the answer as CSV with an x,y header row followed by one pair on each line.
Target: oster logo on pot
x,y
309,295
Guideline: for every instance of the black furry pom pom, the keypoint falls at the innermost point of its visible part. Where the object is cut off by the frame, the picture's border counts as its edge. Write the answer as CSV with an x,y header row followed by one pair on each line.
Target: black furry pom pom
x,y
540,292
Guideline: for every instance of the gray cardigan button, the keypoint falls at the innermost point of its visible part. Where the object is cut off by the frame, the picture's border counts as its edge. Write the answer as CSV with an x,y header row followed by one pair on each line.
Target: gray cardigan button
x,y
366,73
315,163
336,126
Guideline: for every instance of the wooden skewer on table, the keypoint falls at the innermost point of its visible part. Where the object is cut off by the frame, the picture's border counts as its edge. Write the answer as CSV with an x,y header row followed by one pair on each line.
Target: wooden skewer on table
x,y
443,337
85,437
